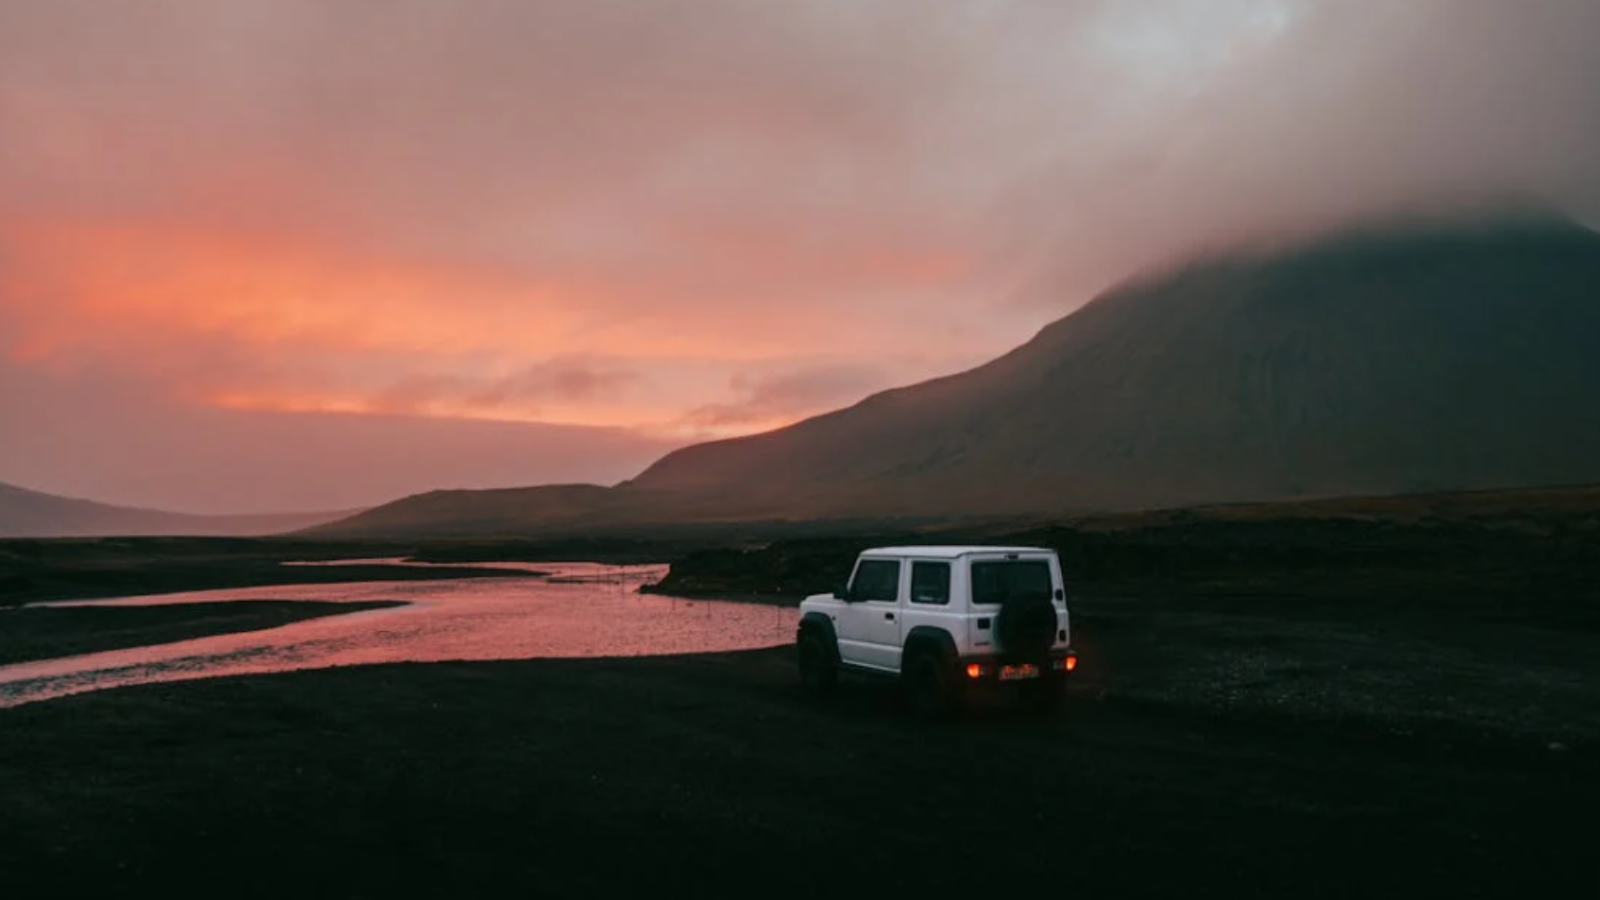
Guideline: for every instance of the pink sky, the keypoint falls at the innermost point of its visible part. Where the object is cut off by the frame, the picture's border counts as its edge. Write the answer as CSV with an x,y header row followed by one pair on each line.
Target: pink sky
x,y
285,255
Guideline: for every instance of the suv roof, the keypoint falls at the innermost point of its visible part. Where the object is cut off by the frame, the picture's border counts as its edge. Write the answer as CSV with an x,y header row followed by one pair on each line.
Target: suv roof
x,y
948,551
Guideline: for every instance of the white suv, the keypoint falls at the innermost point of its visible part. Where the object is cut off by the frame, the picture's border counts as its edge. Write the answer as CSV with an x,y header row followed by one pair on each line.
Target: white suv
x,y
943,619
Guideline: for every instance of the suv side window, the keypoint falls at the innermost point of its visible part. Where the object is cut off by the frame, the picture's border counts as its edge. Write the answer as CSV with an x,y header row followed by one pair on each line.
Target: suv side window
x,y
877,579
930,582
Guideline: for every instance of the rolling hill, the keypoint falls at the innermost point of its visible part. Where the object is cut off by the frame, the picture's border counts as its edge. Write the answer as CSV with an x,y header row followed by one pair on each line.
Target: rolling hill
x,y
31,514
1384,360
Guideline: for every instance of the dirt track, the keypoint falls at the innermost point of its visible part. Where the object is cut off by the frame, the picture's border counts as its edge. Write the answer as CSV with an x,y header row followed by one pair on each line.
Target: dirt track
x,y
715,773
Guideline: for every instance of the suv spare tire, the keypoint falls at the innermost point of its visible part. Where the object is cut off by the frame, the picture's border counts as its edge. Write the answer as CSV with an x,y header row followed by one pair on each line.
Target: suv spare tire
x,y
1026,625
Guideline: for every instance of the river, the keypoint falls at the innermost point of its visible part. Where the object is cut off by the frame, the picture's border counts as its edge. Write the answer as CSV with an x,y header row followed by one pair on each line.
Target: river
x,y
537,610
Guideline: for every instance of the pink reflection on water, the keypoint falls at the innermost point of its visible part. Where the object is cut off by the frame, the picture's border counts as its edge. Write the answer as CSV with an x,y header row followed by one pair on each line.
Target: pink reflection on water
x,y
581,610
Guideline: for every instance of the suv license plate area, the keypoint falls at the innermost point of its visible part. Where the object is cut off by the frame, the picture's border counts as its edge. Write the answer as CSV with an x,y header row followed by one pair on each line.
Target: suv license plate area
x,y
1019,672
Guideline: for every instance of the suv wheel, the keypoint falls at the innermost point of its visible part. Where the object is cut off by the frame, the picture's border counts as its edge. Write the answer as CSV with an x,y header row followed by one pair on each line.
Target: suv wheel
x,y
819,671
927,684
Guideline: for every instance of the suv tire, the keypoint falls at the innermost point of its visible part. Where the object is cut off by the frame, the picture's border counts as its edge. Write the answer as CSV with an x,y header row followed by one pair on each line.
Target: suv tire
x,y
819,664
927,685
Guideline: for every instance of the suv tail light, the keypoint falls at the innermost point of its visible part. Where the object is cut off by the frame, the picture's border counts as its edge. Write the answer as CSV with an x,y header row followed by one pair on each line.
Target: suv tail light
x,y
1065,663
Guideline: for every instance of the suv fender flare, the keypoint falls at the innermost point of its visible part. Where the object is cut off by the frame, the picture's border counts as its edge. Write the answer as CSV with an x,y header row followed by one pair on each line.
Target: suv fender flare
x,y
929,638
820,623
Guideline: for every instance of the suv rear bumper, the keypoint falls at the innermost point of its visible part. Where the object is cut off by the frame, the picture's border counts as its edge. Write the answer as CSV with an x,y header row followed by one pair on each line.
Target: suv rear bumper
x,y
998,668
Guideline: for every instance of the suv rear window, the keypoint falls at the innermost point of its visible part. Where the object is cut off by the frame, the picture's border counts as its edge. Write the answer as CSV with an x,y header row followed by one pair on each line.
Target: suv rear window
x,y
930,582
877,579
997,581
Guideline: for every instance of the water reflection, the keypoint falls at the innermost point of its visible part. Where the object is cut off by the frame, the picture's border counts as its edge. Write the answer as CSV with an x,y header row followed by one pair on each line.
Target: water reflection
x,y
554,610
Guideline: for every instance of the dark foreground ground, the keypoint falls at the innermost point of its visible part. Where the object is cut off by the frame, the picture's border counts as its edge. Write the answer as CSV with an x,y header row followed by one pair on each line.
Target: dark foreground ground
x,y
715,774
1363,700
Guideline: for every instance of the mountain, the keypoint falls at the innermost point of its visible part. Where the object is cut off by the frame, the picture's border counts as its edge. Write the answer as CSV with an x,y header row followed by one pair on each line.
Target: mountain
x,y
1392,359
25,513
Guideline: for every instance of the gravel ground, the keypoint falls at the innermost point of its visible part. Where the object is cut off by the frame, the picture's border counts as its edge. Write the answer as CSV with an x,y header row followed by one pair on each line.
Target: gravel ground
x,y
1207,774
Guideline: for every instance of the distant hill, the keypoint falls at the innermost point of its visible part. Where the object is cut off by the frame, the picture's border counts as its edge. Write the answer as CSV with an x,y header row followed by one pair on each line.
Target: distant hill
x,y
25,513
1389,360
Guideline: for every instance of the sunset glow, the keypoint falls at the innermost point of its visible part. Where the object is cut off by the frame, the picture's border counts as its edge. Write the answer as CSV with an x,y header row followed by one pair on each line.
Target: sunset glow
x,y
611,220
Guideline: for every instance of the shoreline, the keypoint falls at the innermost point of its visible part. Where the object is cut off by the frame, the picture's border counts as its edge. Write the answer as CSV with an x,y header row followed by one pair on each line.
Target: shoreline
x,y
41,572
35,633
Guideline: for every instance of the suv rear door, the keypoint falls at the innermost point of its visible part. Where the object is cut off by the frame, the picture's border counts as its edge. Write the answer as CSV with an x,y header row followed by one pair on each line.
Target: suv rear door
x,y
993,577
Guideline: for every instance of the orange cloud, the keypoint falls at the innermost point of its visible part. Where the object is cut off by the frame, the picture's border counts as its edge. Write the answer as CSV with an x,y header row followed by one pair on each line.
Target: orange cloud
x,y
587,415
560,391
93,282
253,320
778,399
89,282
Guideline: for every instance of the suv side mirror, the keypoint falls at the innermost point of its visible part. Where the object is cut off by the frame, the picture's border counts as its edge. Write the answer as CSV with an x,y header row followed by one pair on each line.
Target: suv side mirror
x,y
842,591
1061,594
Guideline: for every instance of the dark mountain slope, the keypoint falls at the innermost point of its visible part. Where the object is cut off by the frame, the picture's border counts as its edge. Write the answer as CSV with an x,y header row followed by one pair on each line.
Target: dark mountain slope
x,y
1391,360
1376,363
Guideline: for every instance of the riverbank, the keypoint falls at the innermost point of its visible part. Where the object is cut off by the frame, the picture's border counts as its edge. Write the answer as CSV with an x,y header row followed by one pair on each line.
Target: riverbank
x,y
1516,557
39,570
34,633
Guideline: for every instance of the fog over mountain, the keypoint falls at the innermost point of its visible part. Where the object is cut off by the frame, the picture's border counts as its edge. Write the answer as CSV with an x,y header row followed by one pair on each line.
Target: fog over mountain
x,y
1395,359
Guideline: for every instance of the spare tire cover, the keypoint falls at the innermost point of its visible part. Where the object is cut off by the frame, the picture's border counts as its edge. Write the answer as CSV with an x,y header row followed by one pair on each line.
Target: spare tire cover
x,y
1026,625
